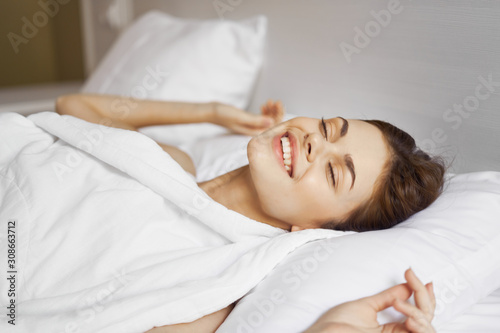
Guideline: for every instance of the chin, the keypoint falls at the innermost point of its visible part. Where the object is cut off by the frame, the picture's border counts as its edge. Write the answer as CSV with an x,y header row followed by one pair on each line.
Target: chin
x,y
258,150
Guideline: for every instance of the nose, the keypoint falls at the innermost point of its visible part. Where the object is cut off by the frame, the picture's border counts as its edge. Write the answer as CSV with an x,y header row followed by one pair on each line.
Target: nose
x,y
314,145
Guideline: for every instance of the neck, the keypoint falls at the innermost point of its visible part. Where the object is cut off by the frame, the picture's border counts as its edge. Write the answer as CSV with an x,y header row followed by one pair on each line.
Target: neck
x,y
236,191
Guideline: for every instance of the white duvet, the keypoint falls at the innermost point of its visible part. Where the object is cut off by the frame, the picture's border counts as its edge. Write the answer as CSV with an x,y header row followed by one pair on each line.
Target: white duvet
x,y
111,235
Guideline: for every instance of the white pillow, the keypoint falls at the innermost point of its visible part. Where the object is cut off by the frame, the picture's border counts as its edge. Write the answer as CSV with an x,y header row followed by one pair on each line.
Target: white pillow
x,y
455,243
168,58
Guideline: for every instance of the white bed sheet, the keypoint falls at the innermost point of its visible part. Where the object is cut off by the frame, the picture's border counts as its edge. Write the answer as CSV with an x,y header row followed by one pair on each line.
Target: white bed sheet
x,y
484,316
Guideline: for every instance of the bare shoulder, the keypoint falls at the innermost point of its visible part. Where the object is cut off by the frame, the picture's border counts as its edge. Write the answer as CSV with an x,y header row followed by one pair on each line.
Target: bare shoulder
x,y
180,157
207,324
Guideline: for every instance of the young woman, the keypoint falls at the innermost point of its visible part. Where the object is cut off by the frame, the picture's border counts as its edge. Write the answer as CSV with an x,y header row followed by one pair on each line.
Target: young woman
x,y
337,173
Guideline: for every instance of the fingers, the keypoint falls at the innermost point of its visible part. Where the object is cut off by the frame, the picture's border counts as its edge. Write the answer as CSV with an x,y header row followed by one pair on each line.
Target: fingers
x,y
268,107
274,110
430,290
386,298
254,121
251,124
418,321
424,295
258,121
419,315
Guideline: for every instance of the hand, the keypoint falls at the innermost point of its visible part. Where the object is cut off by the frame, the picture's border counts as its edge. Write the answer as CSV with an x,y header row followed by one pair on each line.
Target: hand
x,y
246,123
361,315
274,110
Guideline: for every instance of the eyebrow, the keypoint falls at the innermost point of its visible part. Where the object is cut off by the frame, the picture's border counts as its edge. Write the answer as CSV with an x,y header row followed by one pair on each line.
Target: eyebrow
x,y
347,158
344,128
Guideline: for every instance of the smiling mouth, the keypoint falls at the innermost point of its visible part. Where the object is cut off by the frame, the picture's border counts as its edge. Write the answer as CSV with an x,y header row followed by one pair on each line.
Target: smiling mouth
x,y
287,153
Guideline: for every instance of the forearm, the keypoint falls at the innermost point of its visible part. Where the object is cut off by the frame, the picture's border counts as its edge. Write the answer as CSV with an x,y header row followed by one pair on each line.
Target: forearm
x,y
129,113
207,324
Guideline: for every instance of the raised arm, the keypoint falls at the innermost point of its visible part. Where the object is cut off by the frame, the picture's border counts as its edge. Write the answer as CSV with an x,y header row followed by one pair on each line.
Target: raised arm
x,y
131,114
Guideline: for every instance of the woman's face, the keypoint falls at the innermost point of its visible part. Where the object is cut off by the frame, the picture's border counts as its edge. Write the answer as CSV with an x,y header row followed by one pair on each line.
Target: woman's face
x,y
311,193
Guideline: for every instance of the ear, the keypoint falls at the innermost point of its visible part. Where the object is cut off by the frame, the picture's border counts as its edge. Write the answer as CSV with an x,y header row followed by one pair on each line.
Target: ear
x,y
296,228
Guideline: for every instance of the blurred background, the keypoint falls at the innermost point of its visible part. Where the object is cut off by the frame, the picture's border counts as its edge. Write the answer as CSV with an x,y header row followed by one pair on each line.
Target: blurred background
x,y
42,56
50,46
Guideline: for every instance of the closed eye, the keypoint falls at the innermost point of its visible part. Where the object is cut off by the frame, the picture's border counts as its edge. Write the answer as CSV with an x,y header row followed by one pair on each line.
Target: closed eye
x,y
331,174
329,164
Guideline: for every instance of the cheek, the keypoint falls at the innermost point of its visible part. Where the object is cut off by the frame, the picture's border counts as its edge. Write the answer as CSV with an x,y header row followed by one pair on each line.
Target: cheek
x,y
301,203
275,195
269,184
315,199
317,203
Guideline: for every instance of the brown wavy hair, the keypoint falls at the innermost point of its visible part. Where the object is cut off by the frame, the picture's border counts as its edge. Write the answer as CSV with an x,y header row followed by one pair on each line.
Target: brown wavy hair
x,y
411,180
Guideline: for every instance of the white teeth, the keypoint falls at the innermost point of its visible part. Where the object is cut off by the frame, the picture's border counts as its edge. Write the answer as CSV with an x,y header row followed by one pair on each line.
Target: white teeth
x,y
287,152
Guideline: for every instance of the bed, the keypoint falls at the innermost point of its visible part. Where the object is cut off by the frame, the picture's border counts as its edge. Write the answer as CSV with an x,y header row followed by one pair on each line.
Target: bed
x,y
242,54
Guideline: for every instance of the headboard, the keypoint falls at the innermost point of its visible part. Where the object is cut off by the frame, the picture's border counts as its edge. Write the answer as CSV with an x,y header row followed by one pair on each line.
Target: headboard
x,y
430,67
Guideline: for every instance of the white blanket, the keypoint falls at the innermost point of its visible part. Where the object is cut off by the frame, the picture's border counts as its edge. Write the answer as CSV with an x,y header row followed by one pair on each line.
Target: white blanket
x,y
111,235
